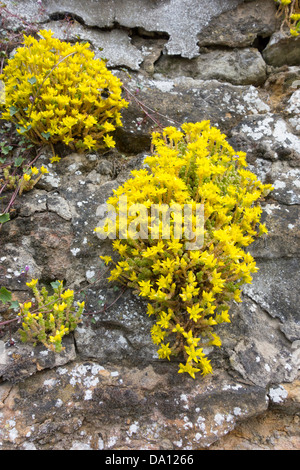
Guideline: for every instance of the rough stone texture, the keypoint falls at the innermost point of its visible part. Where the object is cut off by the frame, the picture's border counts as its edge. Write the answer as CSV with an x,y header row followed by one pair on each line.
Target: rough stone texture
x,y
103,43
188,61
183,99
240,66
282,50
19,362
182,20
98,407
250,22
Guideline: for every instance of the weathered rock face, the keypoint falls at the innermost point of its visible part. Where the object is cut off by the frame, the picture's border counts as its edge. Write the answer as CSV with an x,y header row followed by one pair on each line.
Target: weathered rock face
x,y
282,51
184,61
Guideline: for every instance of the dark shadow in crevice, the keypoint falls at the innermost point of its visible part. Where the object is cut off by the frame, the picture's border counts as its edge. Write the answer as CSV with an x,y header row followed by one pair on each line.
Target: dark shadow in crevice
x,y
261,42
136,31
67,16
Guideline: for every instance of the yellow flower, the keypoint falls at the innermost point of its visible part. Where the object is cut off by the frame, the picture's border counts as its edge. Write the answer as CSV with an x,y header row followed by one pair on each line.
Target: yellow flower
x,y
205,366
195,312
150,310
106,259
44,170
67,139
27,305
115,274
175,245
194,354
216,340
90,121
34,170
32,283
178,329
145,288
89,142
57,338
109,141
61,307
164,320
108,127
56,158
189,369
69,104
295,17
157,334
196,165
190,338
67,294
223,317
164,351
26,177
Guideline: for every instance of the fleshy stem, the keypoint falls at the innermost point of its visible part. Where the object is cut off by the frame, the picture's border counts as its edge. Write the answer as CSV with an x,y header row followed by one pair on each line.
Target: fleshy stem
x,y
145,109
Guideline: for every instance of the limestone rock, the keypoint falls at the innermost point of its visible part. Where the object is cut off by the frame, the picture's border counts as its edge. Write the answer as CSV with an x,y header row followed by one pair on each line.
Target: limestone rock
x,y
102,42
182,99
283,239
97,407
282,50
181,20
240,66
250,23
19,361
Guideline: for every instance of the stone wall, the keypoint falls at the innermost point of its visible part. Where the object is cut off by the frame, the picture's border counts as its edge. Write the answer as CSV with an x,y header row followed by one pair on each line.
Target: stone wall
x,y
185,60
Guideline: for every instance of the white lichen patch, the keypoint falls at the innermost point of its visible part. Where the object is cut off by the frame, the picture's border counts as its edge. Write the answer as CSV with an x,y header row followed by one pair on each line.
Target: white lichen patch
x,y
53,181
164,85
88,395
279,184
275,130
284,137
50,383
90,274
12,430
219,419
76,445
254,103
231,387
261,130
278,394
75,251
293,106
269,208
237,411
133,429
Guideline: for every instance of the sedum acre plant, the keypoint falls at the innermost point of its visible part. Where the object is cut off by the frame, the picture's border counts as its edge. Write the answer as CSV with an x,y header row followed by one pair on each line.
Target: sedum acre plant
x,y
58,92
189,289
290,10
51,317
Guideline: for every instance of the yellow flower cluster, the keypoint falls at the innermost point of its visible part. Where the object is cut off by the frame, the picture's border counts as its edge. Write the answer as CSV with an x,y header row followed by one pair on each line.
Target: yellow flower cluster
x,y
58,92
27,182
189,290
52,316
290,9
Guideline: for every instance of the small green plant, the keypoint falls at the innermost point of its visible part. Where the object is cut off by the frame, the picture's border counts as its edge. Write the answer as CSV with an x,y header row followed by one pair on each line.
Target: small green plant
x,y
290,10
58,92
189,289
17,175
51,317
6,299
